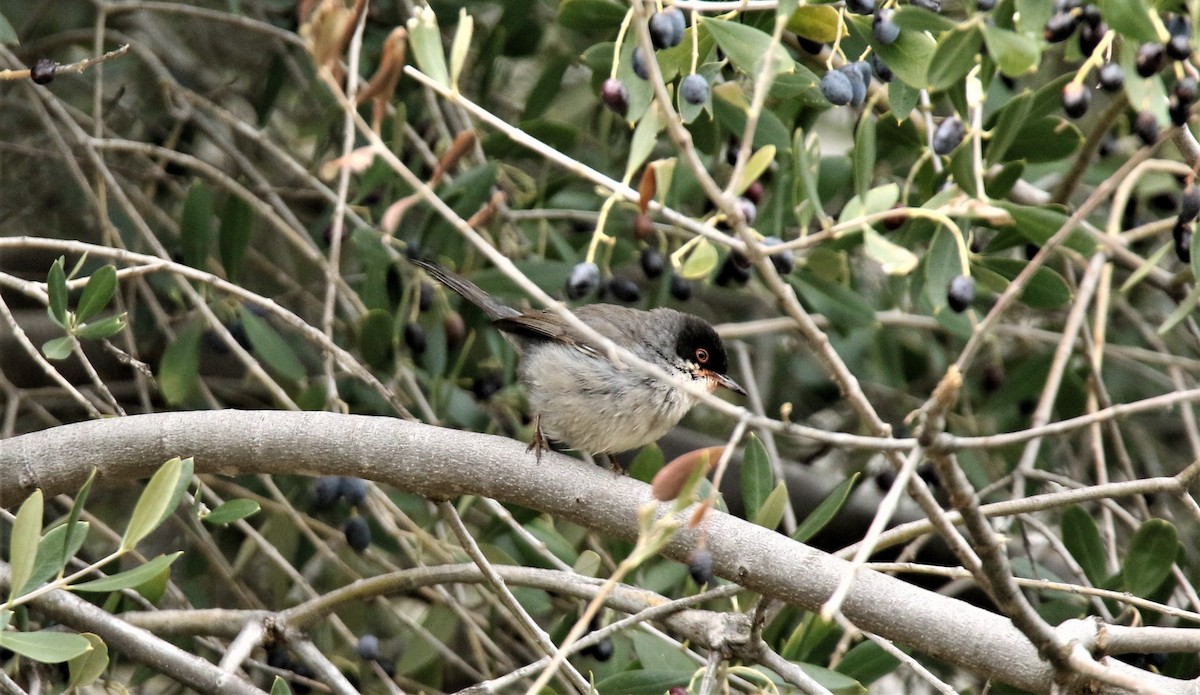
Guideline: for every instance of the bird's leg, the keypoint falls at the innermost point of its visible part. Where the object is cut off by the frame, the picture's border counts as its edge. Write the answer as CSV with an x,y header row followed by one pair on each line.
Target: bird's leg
x,y
610,463
539,443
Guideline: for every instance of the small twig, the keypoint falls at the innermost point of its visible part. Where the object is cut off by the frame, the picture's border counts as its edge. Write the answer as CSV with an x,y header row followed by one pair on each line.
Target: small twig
x,y
70,68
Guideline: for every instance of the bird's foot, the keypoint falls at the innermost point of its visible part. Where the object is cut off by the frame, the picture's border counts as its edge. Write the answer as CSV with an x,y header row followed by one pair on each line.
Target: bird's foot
x,y
539,443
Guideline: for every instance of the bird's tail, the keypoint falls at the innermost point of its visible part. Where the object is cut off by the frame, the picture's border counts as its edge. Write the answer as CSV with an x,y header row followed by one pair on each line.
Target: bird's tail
x,y
494,308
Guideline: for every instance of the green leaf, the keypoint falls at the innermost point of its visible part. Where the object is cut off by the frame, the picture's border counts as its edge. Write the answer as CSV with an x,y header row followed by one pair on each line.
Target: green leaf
x,y
660,654
196,225
1152,551
903,99
908,57
231,511
270,347
864,155
56,286
1031,16
954,56
87,668
771,512
1015,54
426,41
843,306
1184,309
649,681
591,16
104,328
233,236
129,578
179,368
893,258
647,462
916,18
1046,289
97,293
700,262
1046,139
1038,224
461,45
45,646
755,166
280,687
824,513
588,564
962,167
815,22
746,46
155,502
23,546
942,263
866,663
1082,540
51,557
8,35
645,137
72,525
1130,18
376,334
1008,123
58,348
757,478
837,683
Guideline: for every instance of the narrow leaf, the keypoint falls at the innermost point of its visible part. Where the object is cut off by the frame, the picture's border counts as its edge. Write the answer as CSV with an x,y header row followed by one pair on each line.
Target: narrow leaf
x,y
426,40
129,578
747,47
233,236
152,505
771,512
700,262
73,526
26,533
1152,551
45,646
1082,539
864,155
104,328
97,293
460,46
58,348
179,369
270,347
56,286
824,513
231,511
1184,309
196,225
52,555
757,478
86,668
755,166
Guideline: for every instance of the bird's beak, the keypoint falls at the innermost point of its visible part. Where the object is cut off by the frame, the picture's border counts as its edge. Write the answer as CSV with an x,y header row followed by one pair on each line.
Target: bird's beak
x,y
724,380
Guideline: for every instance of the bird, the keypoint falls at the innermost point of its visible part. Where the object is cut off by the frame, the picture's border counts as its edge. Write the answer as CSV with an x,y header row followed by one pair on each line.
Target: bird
x,y
577,395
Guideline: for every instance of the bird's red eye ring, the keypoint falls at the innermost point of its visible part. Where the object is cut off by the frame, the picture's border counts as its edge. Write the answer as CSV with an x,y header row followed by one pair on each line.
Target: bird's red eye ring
x,y
701,355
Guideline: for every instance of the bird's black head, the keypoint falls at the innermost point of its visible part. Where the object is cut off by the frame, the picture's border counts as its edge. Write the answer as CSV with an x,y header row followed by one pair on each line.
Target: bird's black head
x,y
699,344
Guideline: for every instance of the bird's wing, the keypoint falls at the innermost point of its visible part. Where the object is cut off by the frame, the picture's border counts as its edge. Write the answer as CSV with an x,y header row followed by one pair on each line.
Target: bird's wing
x,y
543,325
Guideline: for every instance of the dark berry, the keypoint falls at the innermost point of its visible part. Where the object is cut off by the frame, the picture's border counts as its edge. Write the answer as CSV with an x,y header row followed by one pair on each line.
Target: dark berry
x,y
603,650
748,210
694,89
960,293
1090,15
895,221
884,28
368,647
1179,48
1182,234
1112,77
1076,99
1186,89
455,329
860,6
858,89
1059,27
278,657
1189,203
624,289
652,262
426,299
681,289
882,71
42,71
358,533
615,96
811,47
836,88
326,491
353,489
1179,110
678,20
1146,127
664,31
784,261
584,279
931,5
739,259
700,566
948,134
732,272
754,192
984,5
485,385
1090,35
639,64
993,378
1150,59
414,338
864,71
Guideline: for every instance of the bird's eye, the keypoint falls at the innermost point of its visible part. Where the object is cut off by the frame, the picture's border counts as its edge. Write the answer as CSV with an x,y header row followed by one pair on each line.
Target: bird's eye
x,y
701,355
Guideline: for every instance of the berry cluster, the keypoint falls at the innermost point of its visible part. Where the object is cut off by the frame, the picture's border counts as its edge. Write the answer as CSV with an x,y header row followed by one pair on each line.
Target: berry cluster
x,y
666,31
